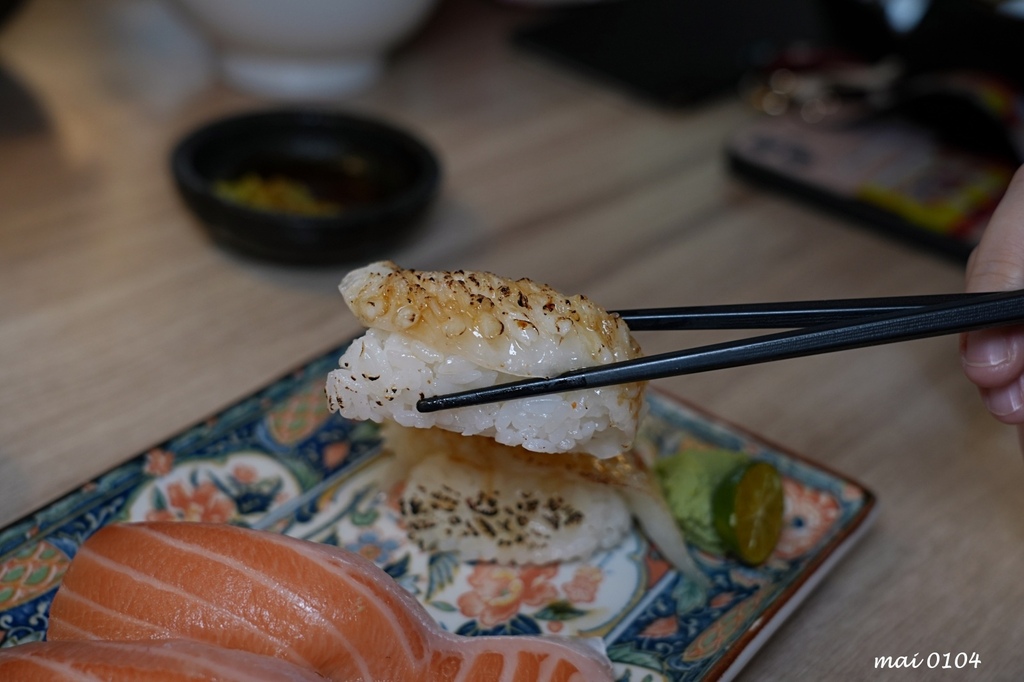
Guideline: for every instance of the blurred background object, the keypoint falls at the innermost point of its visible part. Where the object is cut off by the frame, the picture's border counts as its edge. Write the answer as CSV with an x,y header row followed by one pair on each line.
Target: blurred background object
x,y
930,35
19,112
8,8
905,114
910,117
153,56
553,3
678,53
671,52
304,48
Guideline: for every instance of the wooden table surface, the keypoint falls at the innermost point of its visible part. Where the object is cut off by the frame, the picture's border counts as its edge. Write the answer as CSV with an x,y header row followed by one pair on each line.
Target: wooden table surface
x,y
121,323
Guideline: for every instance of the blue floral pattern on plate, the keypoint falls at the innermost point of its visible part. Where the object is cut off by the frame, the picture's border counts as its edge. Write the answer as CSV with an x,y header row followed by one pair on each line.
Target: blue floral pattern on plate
x,y
279,460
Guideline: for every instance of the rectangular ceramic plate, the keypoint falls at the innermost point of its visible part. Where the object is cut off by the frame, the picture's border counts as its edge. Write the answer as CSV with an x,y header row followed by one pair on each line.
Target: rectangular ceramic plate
x,y
279,460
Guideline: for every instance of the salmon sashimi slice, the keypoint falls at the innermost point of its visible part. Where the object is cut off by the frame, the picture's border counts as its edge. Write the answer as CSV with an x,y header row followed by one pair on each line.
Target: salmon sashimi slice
x,y
159,661
310,604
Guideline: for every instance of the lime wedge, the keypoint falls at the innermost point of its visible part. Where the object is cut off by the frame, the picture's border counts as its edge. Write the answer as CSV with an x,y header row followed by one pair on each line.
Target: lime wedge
x,y
748,511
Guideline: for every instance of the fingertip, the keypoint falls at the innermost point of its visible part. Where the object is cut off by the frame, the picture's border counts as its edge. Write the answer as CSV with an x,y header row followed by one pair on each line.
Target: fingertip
x,y
997,262
1005,403
991,357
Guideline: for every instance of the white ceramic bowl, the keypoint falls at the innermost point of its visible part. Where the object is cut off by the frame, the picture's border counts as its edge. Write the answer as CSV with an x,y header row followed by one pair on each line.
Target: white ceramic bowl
x,y
305,48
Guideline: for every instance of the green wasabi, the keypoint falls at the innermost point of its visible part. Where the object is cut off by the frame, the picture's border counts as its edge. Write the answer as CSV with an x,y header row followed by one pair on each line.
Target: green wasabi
x,y
688,480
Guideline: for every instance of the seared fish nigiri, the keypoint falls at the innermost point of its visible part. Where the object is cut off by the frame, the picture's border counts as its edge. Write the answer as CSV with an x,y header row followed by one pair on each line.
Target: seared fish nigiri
x,y
493,502
432,333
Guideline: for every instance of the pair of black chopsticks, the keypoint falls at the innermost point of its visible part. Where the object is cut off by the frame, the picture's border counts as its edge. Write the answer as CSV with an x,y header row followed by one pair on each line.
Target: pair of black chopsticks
x,y
816,327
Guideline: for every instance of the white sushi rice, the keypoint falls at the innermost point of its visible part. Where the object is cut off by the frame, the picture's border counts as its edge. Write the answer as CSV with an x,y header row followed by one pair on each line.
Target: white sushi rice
x,y
383,374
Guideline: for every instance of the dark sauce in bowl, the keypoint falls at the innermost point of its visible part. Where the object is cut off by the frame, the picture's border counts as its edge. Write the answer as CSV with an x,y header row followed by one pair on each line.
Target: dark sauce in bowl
x,y
380,178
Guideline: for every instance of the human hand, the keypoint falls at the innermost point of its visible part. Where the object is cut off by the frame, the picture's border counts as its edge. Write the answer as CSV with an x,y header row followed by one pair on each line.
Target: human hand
x,y
993,359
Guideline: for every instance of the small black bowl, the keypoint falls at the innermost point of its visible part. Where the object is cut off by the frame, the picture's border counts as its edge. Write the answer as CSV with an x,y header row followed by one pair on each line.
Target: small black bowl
x,y
381,178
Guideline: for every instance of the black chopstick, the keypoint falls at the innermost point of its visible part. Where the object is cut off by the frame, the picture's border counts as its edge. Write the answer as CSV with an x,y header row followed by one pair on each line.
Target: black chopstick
x,y
976,312
784,315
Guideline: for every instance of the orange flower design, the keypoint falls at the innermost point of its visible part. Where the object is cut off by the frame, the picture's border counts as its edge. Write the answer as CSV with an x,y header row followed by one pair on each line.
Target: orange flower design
x,y
500,591
159,462
204,503
335,454
810,515
584,584
245,473
662,627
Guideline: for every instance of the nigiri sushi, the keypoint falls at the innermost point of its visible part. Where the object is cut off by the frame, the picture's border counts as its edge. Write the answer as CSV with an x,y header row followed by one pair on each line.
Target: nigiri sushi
x,y
313,605
494,502
522,482
432,333
165,661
